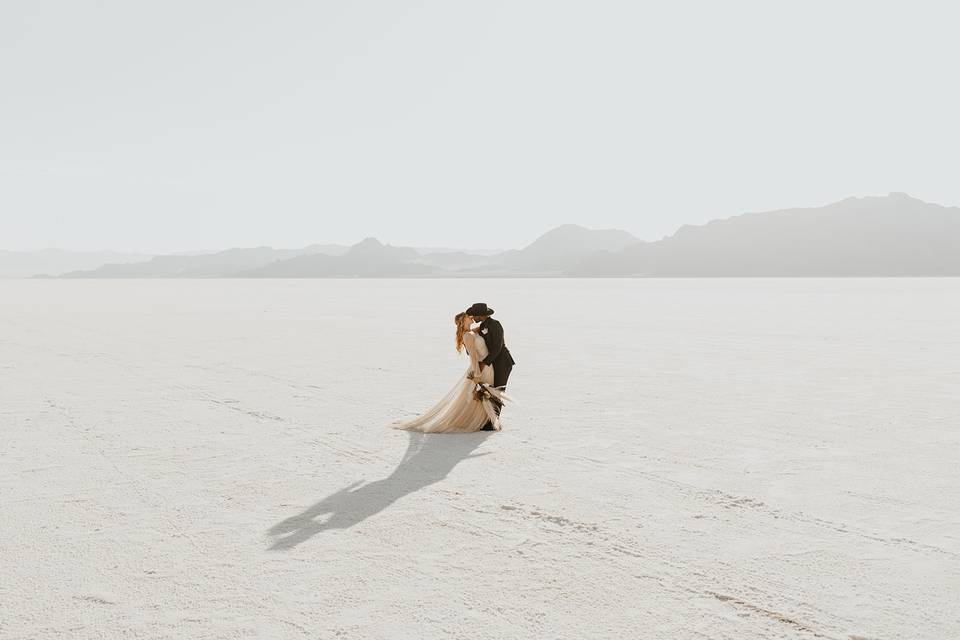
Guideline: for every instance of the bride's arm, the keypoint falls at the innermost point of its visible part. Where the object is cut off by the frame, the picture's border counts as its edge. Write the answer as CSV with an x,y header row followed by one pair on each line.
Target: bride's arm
x,y
472,350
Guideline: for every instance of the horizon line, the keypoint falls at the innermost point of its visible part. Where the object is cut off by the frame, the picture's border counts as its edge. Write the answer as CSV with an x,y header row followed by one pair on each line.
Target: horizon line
x,y
447,249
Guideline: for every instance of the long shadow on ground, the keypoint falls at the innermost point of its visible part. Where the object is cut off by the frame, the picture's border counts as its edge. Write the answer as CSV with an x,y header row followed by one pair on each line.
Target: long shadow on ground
x,y
428,460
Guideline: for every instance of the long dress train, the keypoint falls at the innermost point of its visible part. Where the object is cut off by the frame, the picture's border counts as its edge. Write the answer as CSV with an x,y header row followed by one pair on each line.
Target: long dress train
x,y
460,411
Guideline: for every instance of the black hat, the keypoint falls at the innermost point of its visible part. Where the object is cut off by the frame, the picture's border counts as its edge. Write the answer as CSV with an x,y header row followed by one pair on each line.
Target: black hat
x,y
479,309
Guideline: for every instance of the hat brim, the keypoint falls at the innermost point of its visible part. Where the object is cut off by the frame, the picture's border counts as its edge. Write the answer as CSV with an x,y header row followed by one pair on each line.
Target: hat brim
x,y
480,312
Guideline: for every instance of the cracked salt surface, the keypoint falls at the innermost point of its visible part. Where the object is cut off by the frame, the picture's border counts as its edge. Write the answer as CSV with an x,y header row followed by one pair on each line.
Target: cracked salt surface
x,y
690,458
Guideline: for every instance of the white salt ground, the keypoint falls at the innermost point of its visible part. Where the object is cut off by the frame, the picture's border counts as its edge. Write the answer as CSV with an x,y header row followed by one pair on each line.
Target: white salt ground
x,y
690,459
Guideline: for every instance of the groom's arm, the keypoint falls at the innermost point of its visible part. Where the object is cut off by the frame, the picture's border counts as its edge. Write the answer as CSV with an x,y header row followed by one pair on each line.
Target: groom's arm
x,y
494,340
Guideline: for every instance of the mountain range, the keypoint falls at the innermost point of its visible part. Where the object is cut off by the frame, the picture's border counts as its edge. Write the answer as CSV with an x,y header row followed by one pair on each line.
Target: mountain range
x,y
24,264
893,235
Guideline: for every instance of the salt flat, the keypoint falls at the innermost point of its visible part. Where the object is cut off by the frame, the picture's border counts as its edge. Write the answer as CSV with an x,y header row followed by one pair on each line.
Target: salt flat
x,y
690,459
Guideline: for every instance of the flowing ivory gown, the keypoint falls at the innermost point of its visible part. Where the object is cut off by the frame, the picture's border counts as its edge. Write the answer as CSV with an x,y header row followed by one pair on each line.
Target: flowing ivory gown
x,y
460,411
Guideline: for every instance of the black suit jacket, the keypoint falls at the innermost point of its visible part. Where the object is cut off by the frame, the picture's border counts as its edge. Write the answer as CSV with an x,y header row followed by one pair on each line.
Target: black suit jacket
x,y
492,333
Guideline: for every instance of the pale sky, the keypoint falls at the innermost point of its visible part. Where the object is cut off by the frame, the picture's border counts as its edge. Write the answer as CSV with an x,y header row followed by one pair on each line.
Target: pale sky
x,y
184,125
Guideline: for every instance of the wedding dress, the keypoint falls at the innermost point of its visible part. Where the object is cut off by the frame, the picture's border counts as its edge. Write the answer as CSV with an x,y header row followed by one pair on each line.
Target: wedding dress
x,y
460,411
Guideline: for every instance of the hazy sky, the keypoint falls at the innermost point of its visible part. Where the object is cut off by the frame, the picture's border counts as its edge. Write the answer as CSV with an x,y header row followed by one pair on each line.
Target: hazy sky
x,y
175,125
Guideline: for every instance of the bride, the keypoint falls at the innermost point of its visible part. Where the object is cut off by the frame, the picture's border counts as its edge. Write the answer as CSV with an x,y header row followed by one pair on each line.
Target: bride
x,y
470,404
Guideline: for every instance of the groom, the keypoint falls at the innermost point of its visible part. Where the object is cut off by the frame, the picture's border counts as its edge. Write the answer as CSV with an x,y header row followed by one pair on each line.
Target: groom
x,y
499,356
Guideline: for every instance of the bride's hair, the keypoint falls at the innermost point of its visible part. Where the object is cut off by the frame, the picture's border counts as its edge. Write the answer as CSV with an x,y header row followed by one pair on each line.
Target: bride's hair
x,y
461,329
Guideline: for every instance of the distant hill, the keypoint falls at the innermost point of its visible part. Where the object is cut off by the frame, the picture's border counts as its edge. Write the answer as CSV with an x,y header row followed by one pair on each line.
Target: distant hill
x,y
894,235
367,259
211,265
560,249
54,262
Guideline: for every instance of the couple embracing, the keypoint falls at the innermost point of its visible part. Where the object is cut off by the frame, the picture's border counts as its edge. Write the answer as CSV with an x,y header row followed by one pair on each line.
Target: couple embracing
x,y
475,402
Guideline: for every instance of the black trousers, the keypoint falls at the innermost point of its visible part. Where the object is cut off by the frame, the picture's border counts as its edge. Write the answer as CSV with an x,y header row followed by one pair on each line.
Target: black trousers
x,y
501,373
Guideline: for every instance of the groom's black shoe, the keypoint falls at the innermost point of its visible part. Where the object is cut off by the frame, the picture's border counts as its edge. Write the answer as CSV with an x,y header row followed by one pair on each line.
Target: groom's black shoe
x,y
488,427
